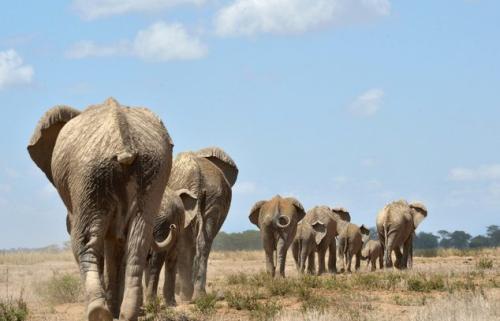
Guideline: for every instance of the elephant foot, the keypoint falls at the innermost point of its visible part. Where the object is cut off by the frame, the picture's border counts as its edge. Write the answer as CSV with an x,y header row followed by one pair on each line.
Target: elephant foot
x,y
198,294
171,303
97,311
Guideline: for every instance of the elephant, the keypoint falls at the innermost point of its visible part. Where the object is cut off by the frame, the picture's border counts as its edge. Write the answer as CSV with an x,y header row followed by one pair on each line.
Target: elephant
x,y
351,238
110,165
171,213
208,174
396,225
277,220
316,233
371,251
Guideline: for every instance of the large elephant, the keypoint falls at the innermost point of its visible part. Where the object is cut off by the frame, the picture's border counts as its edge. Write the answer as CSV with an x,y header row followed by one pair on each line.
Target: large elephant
x,y
110,166
351,238
396,224
371,251
316,233
171,215
277,220
208,175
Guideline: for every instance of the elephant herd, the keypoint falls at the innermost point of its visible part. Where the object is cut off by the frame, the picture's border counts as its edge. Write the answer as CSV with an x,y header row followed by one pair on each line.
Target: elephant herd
x,y
132,209
284,223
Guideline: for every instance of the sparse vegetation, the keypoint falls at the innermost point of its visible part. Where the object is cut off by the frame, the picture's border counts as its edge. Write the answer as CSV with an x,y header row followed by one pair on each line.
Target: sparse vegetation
x,y
206,304
13,309
484,263
60,288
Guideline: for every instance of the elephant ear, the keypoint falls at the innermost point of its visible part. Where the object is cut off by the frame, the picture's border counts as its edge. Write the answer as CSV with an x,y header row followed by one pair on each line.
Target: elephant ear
x,y
319,231
342,213
419,213
364,230
190,202
43,140
298,206
255,211
222,160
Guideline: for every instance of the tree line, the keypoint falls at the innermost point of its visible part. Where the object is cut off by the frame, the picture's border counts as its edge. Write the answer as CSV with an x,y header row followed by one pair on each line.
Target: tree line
x,y
250,240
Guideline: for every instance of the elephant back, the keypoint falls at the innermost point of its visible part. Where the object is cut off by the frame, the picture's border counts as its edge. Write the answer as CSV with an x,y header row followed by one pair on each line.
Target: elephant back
x,y
222,161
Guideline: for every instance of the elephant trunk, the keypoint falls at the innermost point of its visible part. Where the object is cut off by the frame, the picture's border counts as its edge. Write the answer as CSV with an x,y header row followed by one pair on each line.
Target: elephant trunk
x,y
168,243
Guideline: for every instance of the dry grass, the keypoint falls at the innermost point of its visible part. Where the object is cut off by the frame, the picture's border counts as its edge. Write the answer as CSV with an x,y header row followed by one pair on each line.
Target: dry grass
x,y
34,257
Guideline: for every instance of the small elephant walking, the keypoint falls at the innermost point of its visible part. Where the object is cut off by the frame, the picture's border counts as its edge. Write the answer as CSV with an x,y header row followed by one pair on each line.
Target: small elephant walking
x,y
208,175
169,221
277,220
110,165
372,250
350,242
316,234
396,224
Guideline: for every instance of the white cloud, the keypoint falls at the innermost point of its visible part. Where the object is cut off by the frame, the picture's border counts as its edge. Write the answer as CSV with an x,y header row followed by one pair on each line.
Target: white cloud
x,y
368,103
250,17
245,188
93,9
484,173
159,42
13,71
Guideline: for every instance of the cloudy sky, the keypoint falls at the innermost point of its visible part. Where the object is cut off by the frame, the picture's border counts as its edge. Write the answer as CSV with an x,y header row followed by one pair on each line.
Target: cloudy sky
x,y
336,102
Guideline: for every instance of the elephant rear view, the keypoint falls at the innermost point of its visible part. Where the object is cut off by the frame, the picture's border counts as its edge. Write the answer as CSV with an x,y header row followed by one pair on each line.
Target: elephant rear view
x,y
372,250
277,220
396,224
208,175
316,233
110,165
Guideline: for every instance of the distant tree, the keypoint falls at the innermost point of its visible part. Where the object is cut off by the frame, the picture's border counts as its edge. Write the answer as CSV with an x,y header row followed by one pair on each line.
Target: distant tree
x,y
479,241
445,239
460,239
493,232
247,240
425,241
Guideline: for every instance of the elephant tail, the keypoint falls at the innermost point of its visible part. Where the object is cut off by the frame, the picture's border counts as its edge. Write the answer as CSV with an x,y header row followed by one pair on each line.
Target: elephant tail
x,y
201,238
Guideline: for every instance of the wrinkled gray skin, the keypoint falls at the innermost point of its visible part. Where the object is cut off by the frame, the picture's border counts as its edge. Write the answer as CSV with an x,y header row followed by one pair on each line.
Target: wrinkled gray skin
x,y
396,225
350,242
171,213
316,234
110,166
372,250
277,220
208,175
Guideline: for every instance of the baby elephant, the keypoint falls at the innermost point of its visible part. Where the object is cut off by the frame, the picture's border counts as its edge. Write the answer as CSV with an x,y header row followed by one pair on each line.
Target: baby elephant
x,y
372,250
350,241
277,220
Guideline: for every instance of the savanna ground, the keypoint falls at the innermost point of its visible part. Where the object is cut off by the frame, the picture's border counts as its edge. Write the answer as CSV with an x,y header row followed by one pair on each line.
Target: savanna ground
x,y
443,285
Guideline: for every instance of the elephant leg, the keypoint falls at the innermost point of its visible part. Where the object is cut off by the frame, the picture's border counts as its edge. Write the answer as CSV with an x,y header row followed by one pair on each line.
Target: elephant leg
x,y
169,285
113,274
399,257
374,263
282,249
203,247
185,264
296,254
321,260
152,275
332,257
388,248
304,253
138,244
311,267
381,261
358,261
349,260
269,246
88,247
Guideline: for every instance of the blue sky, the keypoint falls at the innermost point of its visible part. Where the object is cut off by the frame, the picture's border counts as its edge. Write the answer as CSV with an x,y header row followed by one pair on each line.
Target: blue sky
x,y
338,102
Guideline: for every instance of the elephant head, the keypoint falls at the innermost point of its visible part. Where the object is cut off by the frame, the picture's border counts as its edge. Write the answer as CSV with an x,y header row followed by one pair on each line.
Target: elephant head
x,y
418,213
365,233
341,213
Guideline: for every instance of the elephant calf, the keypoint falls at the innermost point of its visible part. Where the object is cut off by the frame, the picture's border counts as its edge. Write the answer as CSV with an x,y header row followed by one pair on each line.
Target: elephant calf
x,y
277,220
372,250
316,233
351,238
169,221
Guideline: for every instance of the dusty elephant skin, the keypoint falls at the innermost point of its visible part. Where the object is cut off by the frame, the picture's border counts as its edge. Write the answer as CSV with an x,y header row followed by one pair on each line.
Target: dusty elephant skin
x,y
170,216
316,233
350,242
396,224
371,251
110,165
208,175
277,220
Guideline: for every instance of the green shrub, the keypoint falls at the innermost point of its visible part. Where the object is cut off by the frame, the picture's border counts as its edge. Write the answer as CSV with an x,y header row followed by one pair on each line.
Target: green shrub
x,y
206,303
13,310
266,311
240,301
237,279
484,263
60,289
